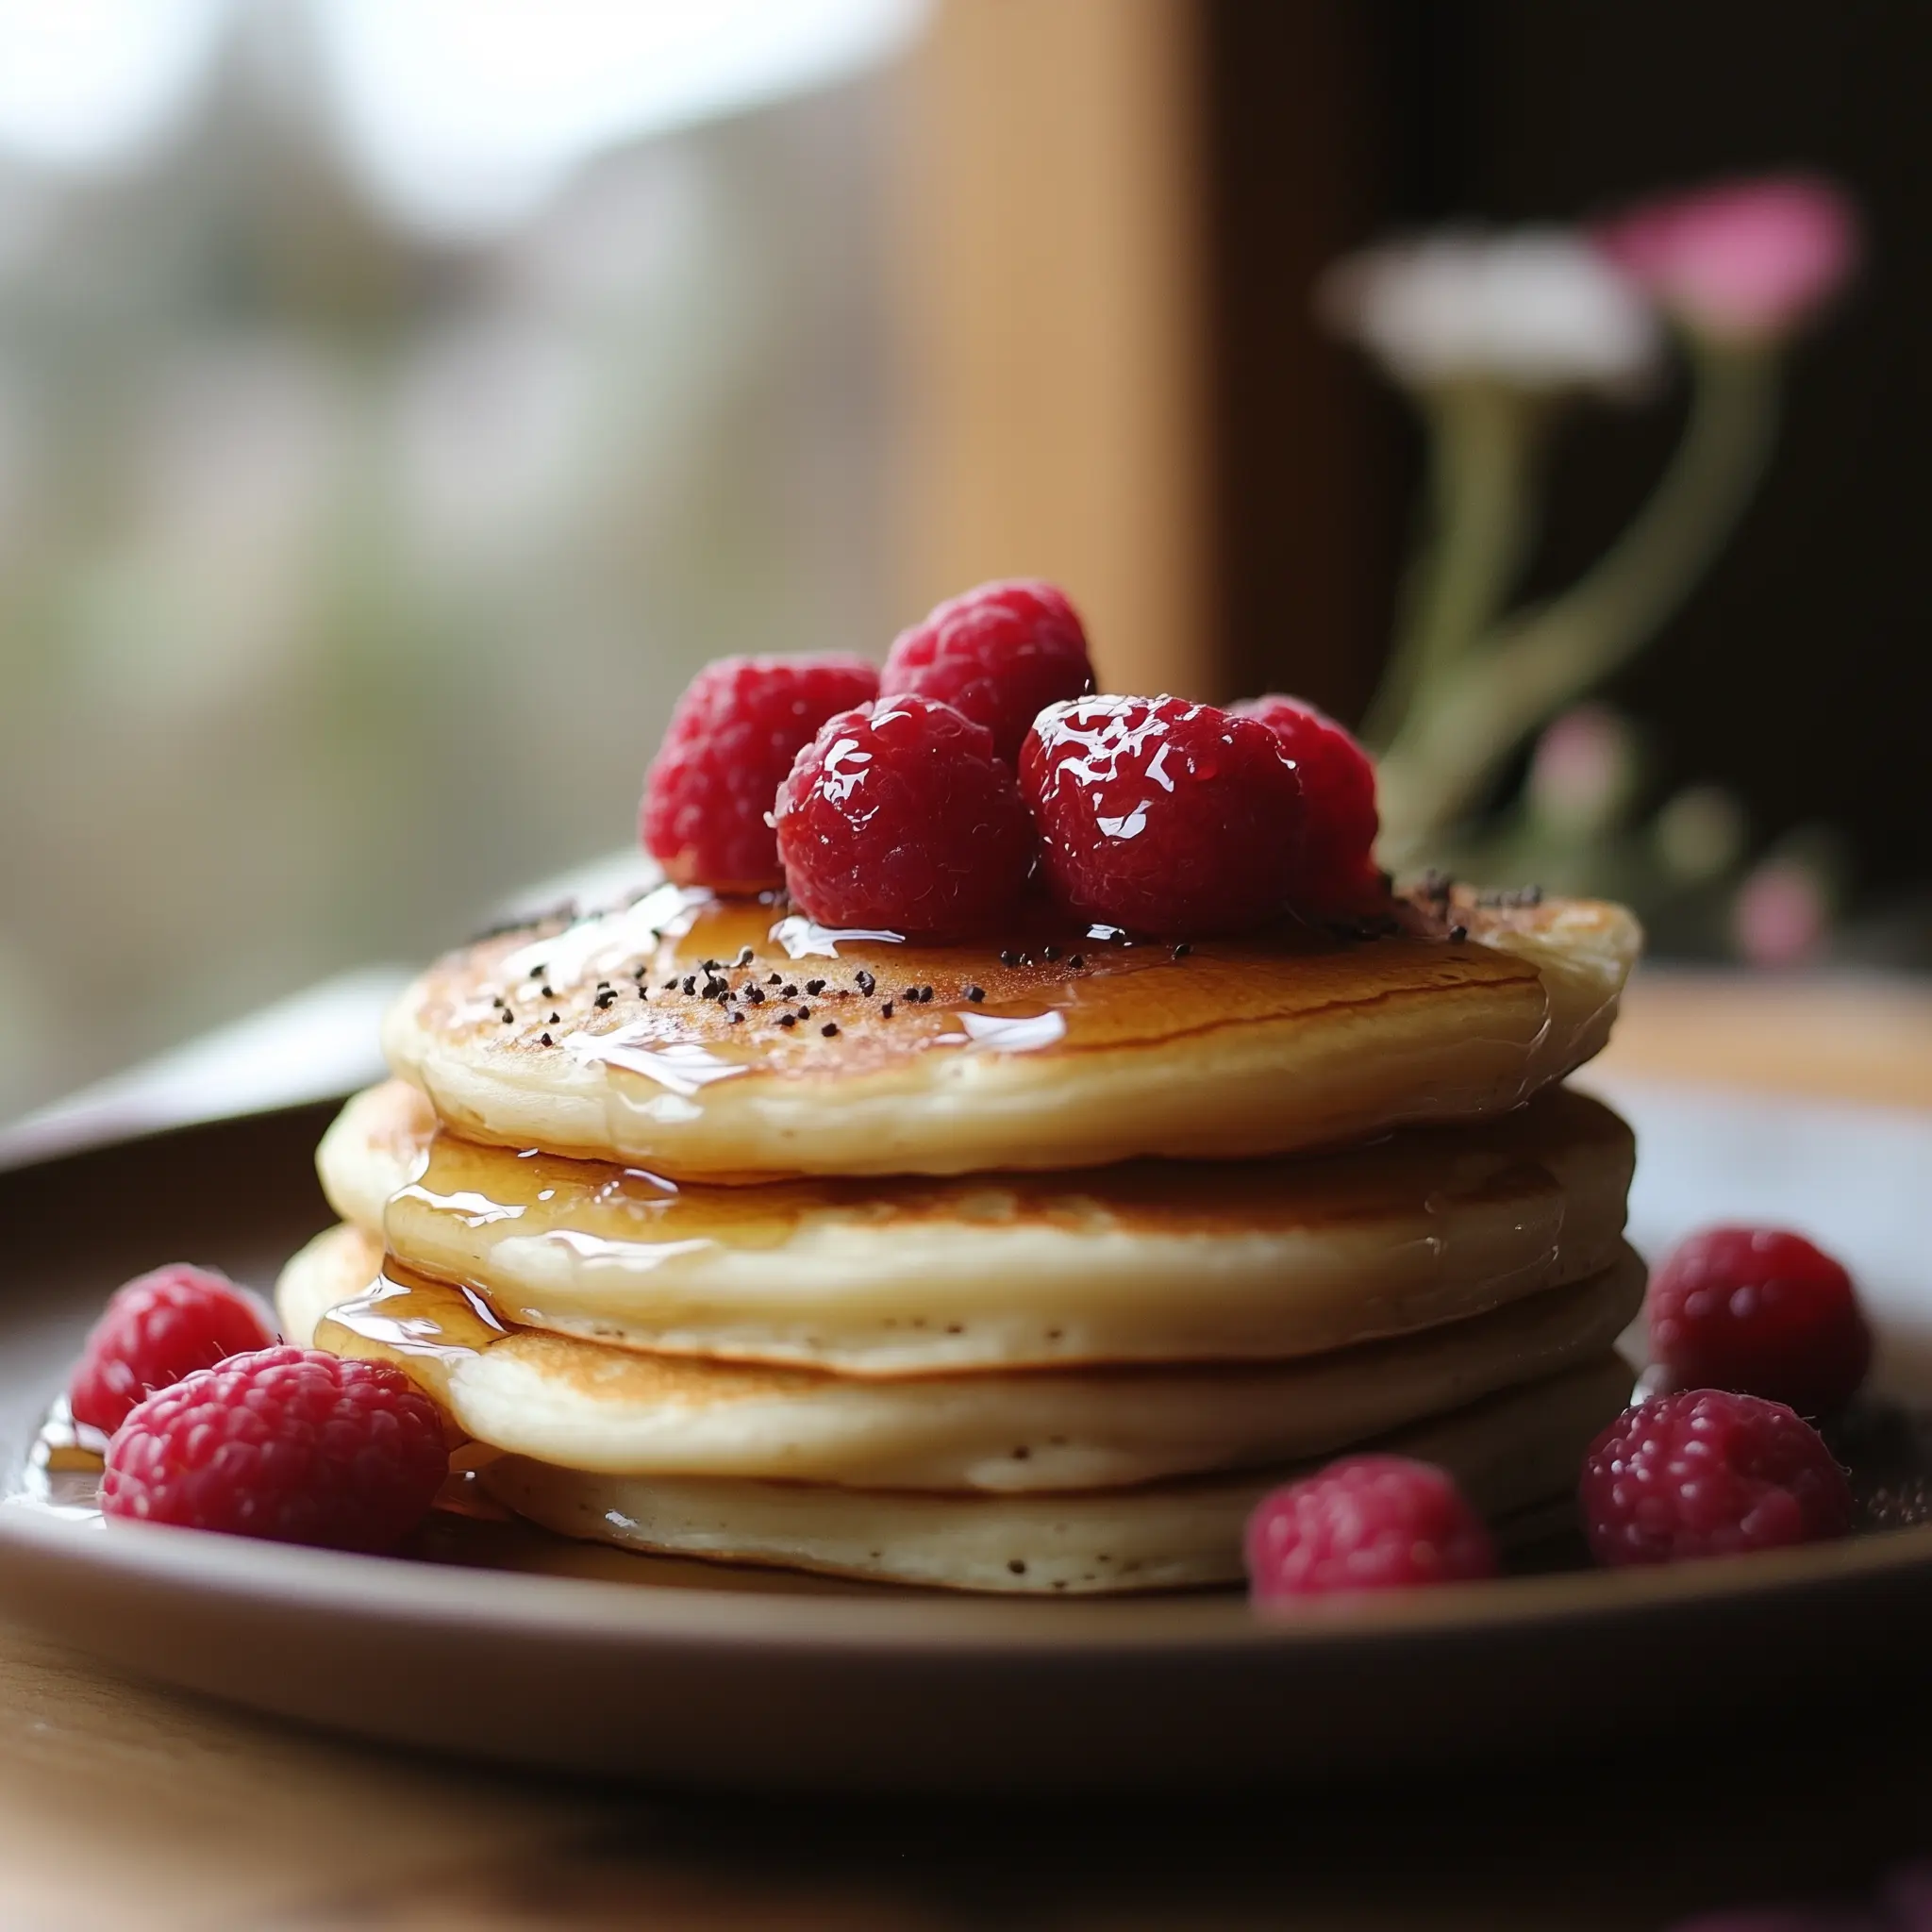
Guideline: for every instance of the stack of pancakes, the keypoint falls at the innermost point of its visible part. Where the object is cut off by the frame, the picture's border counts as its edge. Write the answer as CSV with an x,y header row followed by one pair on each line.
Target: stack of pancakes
x,y
724,1235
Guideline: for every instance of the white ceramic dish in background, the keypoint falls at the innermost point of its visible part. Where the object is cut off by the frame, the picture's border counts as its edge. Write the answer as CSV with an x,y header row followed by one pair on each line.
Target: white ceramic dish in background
x,y
721,1678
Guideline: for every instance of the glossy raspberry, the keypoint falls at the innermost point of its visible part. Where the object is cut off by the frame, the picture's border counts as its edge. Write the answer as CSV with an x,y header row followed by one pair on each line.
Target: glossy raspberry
x,y
1338,866
1001,653
1369,1523
730,743
900,815
1163,816
155,1329
1764,1311
286,1444
1707,1472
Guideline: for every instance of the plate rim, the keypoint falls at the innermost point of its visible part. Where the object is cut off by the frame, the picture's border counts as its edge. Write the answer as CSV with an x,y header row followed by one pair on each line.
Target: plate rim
x,y
941,1623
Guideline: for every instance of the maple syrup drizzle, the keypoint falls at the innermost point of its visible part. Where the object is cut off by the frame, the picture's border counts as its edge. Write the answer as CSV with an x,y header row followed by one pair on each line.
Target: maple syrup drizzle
x,y
683,991
425,1328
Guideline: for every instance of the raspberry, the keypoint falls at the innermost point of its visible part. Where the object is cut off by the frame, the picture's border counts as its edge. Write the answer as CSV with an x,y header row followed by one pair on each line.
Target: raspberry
x,y
900,814
286,1444
1001,653
1369,1523
1163,816
1338,789
1707,1472
1758,1309
157,1328
730,743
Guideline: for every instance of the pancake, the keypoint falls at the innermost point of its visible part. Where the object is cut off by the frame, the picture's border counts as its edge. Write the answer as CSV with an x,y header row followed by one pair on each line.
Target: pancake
x,y
615,1411
1161,1261
1511,1451
712,1038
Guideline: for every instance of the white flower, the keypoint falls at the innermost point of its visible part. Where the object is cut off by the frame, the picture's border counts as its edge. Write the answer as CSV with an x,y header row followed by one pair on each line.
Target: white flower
x,y
1539,308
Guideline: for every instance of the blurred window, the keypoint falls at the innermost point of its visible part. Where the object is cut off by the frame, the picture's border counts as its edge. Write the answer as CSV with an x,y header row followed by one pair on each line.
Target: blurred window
x,y
398,400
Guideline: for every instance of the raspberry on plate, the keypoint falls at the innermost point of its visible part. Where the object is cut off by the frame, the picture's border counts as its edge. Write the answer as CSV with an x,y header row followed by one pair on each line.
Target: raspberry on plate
x,y
1760,1310
155,1329
730,743
1001,653
286,1444
901,815
1708,1472
1367,1522
1163,816
1338,776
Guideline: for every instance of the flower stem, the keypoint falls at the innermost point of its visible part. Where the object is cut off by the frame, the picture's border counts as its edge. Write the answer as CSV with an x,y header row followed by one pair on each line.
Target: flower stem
x,y
1481,437
1462,726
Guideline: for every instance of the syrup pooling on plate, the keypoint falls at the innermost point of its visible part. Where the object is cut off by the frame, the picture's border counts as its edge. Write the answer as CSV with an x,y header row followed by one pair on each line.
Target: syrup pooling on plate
x,y
64,1466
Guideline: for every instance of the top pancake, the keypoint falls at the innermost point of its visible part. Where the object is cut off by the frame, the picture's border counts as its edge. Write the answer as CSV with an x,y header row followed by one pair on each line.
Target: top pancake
x,y
721,1039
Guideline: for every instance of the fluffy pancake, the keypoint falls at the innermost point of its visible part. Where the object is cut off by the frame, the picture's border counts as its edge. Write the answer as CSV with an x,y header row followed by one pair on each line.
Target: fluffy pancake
x,y
1507,1452
709,1039
583,1406
1159,1261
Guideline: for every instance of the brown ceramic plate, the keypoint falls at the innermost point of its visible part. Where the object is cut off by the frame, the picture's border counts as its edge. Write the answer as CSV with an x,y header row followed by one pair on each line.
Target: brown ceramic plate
x,y
689,1675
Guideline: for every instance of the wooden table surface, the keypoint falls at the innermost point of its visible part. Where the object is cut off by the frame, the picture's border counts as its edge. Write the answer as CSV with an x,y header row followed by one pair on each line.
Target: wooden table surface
x,y
124,1805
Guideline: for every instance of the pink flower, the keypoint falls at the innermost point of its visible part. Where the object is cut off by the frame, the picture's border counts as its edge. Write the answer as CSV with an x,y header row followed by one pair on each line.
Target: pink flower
x,y
1583,770
1751,261
1780,915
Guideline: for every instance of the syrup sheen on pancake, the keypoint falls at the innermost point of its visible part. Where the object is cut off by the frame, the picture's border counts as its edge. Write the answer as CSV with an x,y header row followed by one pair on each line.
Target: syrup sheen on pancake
x,y
719,1039
1164,1261
592,1407
1506,1452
